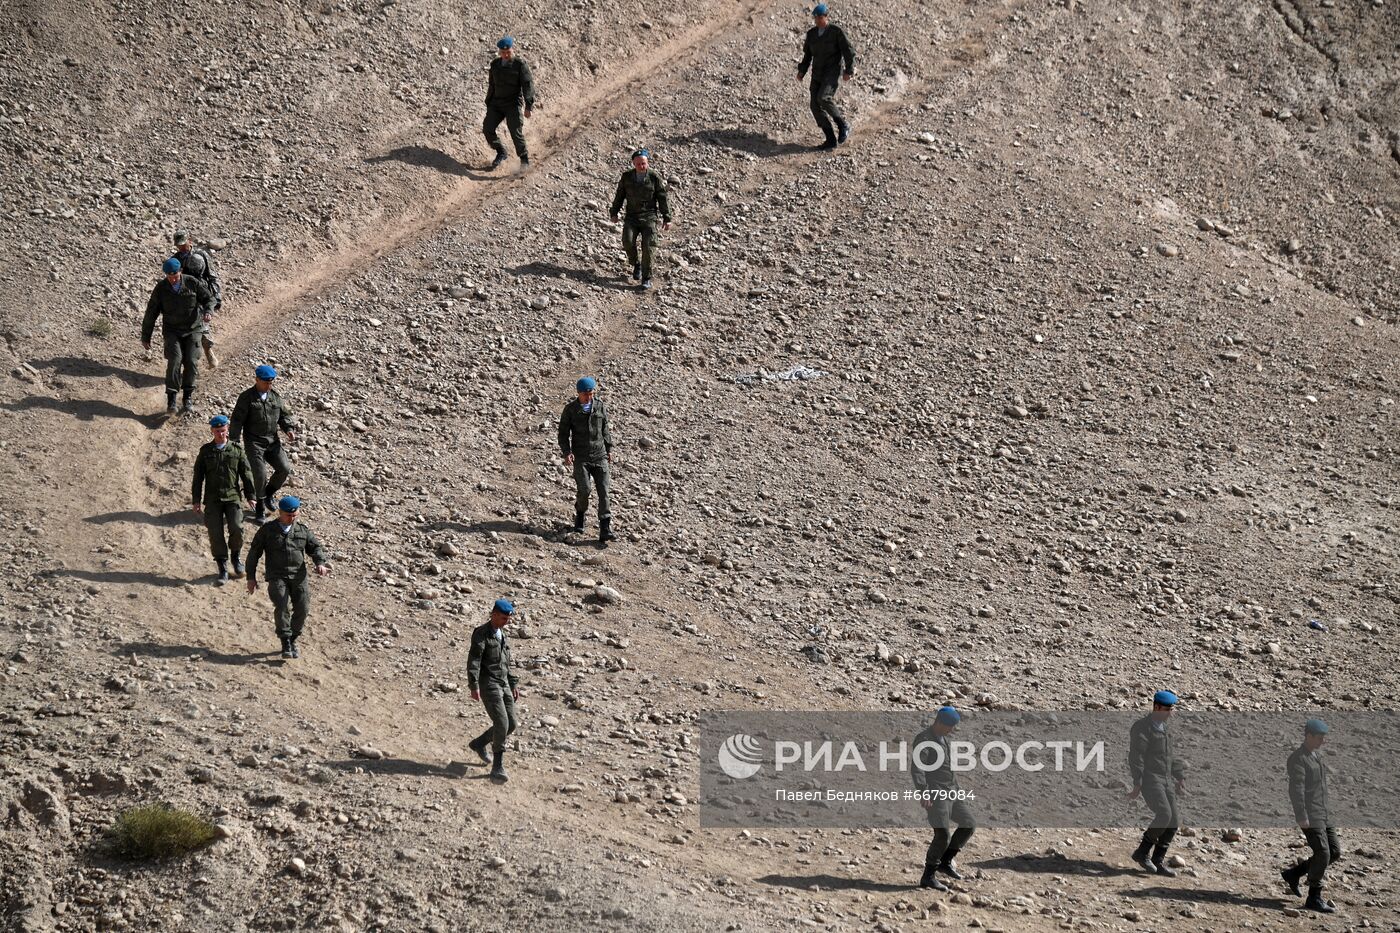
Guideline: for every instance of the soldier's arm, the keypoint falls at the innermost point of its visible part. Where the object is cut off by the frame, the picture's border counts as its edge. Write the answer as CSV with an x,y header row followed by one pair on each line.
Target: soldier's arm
x,y
564,447
197,488
527,86
607,432
255,550
620,196
211,278
847,52
148,324
315,550
916,759
1137,751
1178,768
286,419
474,662
806,56
1297,788
490,81
245,475
663,201
235,420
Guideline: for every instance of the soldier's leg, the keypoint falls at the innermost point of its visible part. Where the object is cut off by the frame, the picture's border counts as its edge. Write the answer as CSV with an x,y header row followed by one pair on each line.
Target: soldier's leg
x,y
257,459
966,822
1334,845
647,236
819,113
301,604
933,857
629,240
281,464
827,101
495,701
603,480
206,341
278,592
214,523
233,518
173,365
938,814
494,116
516,125
581,484
1321,855
190,376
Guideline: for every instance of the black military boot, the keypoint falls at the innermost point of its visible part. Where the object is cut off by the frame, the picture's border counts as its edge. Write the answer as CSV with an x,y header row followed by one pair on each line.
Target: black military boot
x,y
292,644
498,768
267,505
578,520
930,879
605,530
187,403
1159,862
1316,901
947,867
478,745
829,144
259,513
646,283
170,403
636,271
843,133
238,571
1293,878
524,161
223,572
1141,852
500,158
286,648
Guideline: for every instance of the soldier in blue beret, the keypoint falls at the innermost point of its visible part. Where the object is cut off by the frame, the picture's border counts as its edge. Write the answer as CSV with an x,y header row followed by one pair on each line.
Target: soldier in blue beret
x,y
258,415
585,442
1158,776
1307,791
287,543
220,471
944,802
507,83
828,53
493,682
184,305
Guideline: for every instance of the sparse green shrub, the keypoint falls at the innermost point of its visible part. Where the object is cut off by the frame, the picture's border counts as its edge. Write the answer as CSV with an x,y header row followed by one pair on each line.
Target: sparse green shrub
x,y
158,831
99,327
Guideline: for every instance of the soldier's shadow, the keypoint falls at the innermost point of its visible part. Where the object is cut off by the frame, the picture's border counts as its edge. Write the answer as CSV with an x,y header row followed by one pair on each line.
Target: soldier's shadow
x,y
833,883
151,649
167,520
83,409
757,144
78,366
549,270
1212,896
498,525
400,766
116,576
436,159
1056,865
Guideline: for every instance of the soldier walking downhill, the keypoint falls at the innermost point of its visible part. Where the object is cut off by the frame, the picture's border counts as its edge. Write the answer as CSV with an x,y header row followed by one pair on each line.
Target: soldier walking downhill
x,y
287,543
644,193
493,682
828,52
1158,776
585,441
184,305
257,416
943,801
221,472
1307,791
198,263
507,82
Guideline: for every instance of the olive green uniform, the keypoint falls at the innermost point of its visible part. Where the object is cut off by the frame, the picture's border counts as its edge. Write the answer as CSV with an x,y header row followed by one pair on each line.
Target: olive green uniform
x,y
825,52
506,83
586,435
218,476
1307,791
181,316
1156,769
255,421
645,199
946,809
200,264
286,571
489,671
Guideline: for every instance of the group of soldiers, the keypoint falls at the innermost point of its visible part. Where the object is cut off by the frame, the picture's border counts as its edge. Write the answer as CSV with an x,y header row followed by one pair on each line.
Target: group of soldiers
x,y
244,464
1158,776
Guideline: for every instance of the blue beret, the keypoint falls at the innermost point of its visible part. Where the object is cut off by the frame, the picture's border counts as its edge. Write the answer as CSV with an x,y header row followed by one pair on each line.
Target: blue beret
x,y
1315,726
1165,697
218,421
948,716
289,503
265,372
506,42
503,605
819,9
643,152
587,384
170,266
